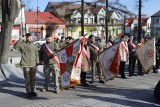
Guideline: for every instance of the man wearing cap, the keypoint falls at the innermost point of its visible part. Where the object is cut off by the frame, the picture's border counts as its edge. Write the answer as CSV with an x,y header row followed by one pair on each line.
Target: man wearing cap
x,y
50,65
93,58
29,61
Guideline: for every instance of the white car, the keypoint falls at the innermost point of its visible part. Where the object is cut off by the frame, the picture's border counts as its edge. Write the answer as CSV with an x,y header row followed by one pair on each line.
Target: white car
x,y
40,42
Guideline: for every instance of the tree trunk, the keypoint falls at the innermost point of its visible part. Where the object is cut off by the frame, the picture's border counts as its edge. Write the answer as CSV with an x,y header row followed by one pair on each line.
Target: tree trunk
x,y
10,10
5,41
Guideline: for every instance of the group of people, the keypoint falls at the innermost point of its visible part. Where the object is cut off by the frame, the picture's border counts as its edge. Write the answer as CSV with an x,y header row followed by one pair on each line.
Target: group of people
x,y
129,54
31,58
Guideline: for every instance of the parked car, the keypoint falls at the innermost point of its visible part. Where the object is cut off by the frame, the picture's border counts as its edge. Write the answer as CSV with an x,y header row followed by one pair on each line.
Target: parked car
x,y
39,42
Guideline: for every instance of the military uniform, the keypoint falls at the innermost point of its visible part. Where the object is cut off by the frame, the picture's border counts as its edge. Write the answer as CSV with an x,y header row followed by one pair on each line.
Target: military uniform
x,y
29,60
50,65
95,63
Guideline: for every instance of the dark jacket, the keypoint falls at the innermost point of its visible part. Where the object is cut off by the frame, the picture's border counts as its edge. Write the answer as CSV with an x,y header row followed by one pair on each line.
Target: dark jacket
x,y
93,52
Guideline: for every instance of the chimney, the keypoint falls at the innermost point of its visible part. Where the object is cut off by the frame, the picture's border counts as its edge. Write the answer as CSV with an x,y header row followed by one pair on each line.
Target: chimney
x,y
30,10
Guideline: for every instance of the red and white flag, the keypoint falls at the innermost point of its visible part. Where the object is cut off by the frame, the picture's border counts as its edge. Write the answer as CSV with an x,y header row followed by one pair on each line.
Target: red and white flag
x,y
109,60
50,53
70,64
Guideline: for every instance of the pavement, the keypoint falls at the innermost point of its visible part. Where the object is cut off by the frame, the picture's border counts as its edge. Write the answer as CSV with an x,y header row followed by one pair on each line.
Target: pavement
x,y
136,91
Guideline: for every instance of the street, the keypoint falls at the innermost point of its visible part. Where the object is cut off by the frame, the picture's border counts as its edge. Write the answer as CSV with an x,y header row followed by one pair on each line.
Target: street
x,y
136,91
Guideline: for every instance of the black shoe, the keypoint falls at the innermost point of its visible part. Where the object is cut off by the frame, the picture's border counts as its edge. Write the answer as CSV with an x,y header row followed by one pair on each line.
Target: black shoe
x,y
84,84
134,75
92,82
29,94
130,75
124,77
73,87
155,72
101,81
34,93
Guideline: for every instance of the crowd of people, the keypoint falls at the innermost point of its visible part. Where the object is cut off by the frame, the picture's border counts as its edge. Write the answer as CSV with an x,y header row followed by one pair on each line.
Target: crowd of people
x,y
31,58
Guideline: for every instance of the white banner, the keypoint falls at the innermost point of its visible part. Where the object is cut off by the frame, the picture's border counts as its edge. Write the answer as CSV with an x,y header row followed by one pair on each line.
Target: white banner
x,y
147,54
105,59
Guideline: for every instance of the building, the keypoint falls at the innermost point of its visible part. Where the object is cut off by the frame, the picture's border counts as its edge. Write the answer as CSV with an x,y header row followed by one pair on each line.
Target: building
x,y
132,26
40,23
155,24
94,19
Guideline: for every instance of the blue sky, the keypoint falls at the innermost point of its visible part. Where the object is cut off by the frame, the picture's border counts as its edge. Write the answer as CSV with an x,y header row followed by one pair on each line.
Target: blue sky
x,y
150,7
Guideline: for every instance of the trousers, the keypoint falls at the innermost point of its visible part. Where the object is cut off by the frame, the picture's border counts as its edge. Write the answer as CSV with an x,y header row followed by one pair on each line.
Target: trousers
x,y
30,78
48,69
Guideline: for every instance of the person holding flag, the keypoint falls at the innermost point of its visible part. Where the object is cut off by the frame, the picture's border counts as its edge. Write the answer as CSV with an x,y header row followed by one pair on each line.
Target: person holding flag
x,y
95,47
50,65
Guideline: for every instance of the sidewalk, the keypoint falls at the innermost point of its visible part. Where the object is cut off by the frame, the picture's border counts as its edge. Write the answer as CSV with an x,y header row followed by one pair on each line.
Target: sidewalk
x,y
136,91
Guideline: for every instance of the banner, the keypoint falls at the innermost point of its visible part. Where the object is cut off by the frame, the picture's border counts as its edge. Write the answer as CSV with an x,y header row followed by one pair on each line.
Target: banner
x,y
147,54
108,59
70,64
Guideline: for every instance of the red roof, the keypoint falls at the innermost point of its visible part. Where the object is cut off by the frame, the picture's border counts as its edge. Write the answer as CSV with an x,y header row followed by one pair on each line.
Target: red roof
x,y
129,21
43,18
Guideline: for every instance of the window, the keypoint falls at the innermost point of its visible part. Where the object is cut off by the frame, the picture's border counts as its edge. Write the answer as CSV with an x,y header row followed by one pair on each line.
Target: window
x,y
91,20
157,21
112,21
73,21
86,20
79,19
101,20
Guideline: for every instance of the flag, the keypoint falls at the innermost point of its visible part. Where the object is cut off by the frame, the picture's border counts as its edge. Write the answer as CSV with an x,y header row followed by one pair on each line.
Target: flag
x,y
108,59
147,54
70,64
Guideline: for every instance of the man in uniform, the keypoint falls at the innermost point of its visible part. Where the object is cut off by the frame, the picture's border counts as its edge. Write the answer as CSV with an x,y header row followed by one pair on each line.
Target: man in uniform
x,y
94,59
29,60
50,65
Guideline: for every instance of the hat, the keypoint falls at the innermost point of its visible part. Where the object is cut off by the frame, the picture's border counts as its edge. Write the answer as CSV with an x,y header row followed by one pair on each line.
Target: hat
x,y
69,38
62,37
90,37
48,35
28,34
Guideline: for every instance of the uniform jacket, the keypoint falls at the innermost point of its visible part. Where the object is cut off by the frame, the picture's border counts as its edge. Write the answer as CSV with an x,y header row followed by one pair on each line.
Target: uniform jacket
x,y
53,46
29,53
93,52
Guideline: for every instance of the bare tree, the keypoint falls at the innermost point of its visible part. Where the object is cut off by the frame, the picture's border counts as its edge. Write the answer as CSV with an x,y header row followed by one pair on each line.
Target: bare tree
x,y
50,27
10,10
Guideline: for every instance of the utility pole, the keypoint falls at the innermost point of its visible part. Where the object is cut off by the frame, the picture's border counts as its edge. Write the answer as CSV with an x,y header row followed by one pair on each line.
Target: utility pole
x,y
37,17
139,20
82,18
106,21
124,26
